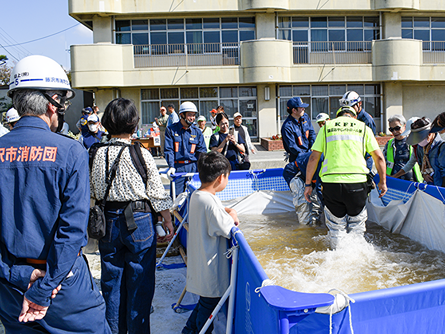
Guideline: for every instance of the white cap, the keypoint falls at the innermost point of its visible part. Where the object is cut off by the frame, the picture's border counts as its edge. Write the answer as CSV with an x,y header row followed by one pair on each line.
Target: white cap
x,y
235,115
201,119
408,126
12,116
187,106
321,117
41,73
93,118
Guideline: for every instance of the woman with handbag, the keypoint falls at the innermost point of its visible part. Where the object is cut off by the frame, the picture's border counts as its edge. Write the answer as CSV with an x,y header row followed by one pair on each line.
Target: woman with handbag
x,y
130,184
231,146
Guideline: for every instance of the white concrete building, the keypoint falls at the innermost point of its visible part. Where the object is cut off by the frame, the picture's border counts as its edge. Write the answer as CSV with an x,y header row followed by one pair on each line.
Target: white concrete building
x,y
251,56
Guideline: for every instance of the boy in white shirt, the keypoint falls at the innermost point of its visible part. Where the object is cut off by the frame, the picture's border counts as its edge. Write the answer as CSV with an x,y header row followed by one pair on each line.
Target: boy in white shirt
x,y
209,228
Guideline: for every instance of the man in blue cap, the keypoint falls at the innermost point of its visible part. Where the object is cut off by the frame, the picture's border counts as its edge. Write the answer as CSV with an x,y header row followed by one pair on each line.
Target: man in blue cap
x,y
297,131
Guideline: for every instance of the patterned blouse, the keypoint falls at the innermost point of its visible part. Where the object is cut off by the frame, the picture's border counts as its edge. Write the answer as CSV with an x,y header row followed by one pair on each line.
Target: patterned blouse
x,y
127,184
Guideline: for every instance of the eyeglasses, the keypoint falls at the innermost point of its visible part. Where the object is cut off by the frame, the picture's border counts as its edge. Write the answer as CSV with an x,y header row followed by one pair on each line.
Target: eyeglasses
x,y
63,104
396,128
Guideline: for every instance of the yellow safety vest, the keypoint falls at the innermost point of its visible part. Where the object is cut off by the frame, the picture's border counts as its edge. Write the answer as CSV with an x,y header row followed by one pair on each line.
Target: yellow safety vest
x,y
344,149
390,161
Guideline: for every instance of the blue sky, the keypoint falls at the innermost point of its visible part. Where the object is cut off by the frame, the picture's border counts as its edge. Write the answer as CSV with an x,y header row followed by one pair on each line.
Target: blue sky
x,y
26,20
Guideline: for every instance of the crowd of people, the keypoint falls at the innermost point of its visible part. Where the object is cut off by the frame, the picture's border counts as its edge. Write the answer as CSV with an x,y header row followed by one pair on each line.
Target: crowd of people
x,y
338,162
47,181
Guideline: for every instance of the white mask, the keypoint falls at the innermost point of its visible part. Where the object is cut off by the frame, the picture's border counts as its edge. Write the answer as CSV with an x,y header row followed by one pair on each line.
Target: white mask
x,y
92,127
424,142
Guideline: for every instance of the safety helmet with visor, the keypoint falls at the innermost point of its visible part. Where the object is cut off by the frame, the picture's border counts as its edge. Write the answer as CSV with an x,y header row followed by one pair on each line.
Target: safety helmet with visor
x,y
350,99
43,74
12,116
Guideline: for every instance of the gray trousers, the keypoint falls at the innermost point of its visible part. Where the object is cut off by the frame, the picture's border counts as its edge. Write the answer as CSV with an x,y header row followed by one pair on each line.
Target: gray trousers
x,y
307,213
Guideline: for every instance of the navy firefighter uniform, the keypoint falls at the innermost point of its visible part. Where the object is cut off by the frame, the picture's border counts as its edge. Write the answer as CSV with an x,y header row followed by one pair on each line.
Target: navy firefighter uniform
x,y
182,149
298,135
44,205
294,173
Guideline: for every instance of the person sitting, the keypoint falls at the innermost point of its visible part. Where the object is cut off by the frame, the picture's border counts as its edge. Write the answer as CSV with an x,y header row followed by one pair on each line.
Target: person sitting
x,y
94,135
210,224
397,152
226,143
206,131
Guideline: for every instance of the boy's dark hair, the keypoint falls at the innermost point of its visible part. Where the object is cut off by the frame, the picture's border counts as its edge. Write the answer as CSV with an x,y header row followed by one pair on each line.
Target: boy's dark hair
x,y
120,117
171,106
220,116
211,165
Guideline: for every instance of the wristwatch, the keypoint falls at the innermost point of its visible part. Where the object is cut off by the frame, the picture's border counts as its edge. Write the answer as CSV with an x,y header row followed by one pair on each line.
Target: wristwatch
x,y
308,185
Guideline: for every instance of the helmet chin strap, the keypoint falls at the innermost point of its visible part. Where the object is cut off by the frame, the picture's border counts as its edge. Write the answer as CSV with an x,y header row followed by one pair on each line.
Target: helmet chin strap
x,y
61,118
60,110
186,120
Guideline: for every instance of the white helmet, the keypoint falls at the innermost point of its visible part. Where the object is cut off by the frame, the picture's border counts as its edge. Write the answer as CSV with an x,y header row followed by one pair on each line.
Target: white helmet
x,y
350,99
321,117
41,73
12,116
187,106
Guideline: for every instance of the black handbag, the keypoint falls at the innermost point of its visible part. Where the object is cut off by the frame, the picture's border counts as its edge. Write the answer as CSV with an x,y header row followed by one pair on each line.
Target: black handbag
x,y
97,227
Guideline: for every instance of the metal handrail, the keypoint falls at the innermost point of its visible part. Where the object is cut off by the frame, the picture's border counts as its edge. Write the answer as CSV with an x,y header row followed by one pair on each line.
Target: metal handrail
x,y
340,52
187,54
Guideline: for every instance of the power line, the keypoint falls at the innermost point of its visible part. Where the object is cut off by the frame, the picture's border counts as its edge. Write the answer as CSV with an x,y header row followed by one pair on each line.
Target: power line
x,y
38,39
15,52
8,38
9,52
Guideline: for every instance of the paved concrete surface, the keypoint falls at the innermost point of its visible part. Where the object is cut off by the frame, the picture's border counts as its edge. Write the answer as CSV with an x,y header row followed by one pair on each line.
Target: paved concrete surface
x,y
262,160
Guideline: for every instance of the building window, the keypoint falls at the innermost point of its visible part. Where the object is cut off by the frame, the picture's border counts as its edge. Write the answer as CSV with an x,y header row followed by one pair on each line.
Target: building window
x,y
241,99
431,30
325,98
197,35
336,33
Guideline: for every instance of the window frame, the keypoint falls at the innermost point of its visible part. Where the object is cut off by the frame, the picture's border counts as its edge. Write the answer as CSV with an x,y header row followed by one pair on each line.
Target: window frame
x,y
217,100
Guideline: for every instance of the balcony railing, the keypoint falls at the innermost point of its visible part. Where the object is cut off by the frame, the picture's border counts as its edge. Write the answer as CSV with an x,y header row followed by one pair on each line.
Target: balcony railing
x,y
190,54
433,52
332,53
